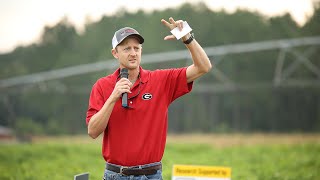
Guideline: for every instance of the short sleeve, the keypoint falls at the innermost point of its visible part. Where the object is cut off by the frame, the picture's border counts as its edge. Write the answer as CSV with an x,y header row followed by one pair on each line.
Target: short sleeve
x,y
96,101
177,83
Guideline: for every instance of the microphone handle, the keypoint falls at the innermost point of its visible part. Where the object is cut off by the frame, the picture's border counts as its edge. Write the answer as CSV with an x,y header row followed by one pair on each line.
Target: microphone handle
x,y
125,100
124,74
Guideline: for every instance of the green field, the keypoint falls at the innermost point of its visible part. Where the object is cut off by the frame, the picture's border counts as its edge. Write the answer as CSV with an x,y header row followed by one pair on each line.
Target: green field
x,y
255,157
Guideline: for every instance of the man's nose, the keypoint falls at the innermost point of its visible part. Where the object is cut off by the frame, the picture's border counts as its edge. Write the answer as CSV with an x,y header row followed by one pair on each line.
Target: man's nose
x,y
132,52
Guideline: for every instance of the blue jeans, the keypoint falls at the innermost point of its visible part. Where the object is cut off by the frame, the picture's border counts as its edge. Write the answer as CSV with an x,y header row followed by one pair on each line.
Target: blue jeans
x,y
110,175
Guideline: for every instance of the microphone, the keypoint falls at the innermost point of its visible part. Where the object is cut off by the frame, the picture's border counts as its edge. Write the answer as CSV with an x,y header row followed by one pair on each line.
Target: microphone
x,y
124,74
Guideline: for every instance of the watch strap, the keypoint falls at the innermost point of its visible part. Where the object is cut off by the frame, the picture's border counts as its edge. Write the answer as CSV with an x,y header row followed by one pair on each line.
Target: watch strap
x,y
188,41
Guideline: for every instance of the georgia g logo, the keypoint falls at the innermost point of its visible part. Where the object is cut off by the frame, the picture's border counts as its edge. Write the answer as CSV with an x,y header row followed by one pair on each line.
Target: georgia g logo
x,y
146,96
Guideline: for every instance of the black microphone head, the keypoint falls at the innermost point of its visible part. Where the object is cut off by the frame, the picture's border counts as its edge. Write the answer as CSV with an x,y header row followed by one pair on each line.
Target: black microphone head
x,y
124,73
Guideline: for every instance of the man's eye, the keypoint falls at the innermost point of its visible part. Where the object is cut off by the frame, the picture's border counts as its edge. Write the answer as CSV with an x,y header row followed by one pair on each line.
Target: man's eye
x,y
126,49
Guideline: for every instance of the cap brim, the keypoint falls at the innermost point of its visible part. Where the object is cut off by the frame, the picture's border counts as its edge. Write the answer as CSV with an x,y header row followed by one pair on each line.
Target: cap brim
x,y
138,36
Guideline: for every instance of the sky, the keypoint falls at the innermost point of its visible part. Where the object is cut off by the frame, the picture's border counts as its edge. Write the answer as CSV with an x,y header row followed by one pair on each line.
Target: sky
x,y
22,21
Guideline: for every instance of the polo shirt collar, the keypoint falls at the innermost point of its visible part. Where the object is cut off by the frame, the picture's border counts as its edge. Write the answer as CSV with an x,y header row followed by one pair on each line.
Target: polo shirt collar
x,y
144,74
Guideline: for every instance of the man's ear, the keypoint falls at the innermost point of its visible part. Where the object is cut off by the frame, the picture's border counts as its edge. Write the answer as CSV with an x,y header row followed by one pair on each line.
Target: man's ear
x,y
114,53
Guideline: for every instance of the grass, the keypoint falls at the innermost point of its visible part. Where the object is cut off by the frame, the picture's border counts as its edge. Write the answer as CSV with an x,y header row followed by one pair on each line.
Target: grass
x,y
254,157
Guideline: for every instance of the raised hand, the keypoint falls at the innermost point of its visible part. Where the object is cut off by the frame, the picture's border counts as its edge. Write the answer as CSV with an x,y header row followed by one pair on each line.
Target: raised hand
x,y
171,25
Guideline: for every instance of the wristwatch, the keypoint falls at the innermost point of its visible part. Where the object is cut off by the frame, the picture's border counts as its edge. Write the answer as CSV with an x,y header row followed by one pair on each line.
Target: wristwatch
x,y
188,41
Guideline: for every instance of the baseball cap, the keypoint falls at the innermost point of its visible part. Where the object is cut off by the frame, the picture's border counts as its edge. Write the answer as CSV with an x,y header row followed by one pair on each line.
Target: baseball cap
x,y
123,33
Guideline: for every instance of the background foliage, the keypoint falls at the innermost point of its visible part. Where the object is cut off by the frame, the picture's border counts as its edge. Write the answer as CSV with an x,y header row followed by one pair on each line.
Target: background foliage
x,y
54,112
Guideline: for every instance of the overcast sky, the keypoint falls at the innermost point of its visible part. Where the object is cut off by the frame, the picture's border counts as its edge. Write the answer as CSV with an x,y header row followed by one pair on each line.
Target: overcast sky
x,y
22,21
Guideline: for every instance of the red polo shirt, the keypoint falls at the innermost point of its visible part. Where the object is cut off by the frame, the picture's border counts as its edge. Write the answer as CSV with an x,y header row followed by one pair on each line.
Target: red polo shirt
x,y
137,135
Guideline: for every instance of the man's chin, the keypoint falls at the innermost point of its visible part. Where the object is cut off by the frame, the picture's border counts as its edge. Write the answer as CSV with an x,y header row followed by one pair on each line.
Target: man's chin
x,y
133,66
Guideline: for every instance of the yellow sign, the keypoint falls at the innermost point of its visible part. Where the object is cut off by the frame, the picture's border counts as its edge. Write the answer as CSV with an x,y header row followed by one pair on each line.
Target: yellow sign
x,y
186,172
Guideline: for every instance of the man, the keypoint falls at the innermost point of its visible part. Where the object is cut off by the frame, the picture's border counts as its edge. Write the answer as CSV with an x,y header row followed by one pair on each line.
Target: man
x,y
134,138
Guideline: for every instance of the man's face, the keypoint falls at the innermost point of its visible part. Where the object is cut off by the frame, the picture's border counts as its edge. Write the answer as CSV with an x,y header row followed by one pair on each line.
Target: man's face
x,y
128,53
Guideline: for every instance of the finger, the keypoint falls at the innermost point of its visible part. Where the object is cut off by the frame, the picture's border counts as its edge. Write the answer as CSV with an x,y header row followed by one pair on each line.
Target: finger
x,y
124,81
166,23
120,88
180,24
128,83
123,86
170,37
118,92
123,89
172,21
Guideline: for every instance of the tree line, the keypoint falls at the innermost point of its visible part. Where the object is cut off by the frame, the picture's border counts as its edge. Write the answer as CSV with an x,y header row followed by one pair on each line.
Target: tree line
x,y
37,109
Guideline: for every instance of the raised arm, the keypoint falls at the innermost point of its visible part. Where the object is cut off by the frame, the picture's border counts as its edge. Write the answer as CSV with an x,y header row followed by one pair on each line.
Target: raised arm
x,y
201,63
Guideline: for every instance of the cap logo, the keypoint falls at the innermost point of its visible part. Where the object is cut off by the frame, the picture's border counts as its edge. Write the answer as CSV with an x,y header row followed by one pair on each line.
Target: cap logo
x,y
122,33
129,31
147,96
